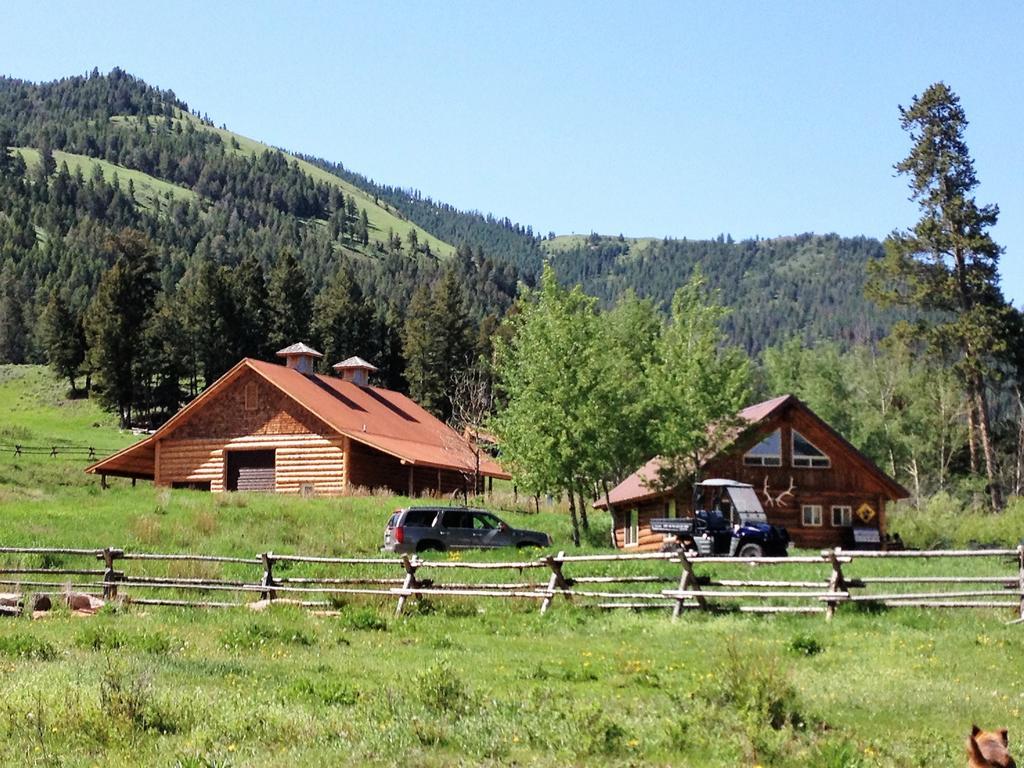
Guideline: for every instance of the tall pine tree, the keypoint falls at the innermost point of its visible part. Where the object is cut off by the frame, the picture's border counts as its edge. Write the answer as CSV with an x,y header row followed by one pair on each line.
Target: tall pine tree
x,y
947,265
288,302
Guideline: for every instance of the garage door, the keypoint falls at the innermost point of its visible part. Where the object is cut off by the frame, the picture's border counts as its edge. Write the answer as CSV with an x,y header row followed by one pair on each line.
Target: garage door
x,y
250,471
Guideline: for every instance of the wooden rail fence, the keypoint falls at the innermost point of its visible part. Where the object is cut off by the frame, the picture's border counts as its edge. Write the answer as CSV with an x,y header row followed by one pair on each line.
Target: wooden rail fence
x,y
675,582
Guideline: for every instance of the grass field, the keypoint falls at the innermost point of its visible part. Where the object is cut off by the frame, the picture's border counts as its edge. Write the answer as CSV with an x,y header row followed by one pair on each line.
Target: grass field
x,y
453,682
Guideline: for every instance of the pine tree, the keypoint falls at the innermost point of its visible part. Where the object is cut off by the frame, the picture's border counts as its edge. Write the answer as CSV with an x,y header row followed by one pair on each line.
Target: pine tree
x,y
116,322
363,228
421,351
13,329
63,339
288,302
947,265
209,314
342,320
249,289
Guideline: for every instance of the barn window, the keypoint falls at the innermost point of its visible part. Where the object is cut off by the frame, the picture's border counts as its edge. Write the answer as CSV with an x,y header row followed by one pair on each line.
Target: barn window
x,y
806,454
812,515
842,516
252,396
633,528
767,453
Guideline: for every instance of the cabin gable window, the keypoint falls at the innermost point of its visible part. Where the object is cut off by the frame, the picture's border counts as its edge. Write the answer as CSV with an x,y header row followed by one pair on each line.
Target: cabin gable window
x,y
842,516
807,454
252,396
767,453
811,515
632,528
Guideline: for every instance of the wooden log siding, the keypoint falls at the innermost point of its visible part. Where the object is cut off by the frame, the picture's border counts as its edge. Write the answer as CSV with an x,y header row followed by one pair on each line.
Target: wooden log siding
x,y
370,468
301,460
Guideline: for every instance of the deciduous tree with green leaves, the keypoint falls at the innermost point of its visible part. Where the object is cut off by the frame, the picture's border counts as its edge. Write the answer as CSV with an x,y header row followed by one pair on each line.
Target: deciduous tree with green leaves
x,y
547,373
947,264
697,385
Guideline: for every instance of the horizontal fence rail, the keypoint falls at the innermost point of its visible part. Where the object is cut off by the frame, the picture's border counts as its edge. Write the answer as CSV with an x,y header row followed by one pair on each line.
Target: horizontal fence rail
x,y
672,581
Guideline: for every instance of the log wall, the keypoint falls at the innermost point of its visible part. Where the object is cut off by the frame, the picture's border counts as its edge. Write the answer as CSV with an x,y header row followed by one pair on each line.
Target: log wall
x,y
370,468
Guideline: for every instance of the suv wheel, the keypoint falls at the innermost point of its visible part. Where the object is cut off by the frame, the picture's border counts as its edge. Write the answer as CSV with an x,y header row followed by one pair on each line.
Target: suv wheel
x,y
429,546
750,550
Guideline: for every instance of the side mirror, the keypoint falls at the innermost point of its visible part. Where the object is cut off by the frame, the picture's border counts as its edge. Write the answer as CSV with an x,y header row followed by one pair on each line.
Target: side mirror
x,y
503,527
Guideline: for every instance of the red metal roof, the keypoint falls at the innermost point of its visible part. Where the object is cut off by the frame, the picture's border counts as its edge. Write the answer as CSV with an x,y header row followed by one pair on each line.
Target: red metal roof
x,y
637,487
380,418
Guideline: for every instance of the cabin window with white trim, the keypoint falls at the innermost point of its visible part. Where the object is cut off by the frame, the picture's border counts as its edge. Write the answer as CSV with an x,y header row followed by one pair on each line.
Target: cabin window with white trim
x,y
767,453
632,528
811,515
807,454
842,516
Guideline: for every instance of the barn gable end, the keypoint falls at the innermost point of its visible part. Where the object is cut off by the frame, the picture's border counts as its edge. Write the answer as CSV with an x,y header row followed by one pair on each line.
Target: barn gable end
x,y
248,414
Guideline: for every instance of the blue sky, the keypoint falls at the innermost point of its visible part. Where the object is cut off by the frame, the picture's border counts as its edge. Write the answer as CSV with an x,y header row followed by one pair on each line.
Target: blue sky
x,y
645,118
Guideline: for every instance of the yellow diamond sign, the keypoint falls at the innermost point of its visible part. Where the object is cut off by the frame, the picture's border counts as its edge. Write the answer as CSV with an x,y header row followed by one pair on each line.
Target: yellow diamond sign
x,y
866,512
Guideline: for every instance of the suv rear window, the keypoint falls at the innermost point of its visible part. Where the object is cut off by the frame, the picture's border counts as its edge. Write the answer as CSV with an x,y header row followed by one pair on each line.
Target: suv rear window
x,y
422,518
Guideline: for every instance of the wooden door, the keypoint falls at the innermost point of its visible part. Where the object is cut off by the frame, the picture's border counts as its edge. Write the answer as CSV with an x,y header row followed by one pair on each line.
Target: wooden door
x,y
250,470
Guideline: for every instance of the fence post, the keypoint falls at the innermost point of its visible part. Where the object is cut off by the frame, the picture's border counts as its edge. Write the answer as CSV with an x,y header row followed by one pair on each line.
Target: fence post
x,y
687,582
557,580
110,576
1020,585
268,577
836,582
411,582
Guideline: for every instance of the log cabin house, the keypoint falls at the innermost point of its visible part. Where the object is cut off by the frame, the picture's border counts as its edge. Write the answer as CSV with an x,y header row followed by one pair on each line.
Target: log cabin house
x,y
284,428
808,477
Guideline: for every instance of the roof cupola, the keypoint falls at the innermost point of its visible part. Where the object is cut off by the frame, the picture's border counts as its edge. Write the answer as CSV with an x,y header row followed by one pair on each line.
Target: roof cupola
x,y
300,357
356,370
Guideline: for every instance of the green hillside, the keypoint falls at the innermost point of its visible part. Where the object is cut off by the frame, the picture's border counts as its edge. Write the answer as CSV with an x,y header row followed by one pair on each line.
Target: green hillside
x,y
382,219
147,188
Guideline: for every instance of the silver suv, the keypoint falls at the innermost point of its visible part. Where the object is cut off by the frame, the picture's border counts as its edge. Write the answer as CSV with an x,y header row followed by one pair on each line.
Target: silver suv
x,y
422,529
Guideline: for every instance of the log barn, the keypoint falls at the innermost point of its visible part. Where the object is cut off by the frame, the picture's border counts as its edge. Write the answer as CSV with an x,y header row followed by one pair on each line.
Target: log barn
x,y
809,478
285,428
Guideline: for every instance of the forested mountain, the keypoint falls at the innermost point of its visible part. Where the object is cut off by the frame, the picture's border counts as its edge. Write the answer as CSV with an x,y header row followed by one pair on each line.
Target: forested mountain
x,y
232,247
808,286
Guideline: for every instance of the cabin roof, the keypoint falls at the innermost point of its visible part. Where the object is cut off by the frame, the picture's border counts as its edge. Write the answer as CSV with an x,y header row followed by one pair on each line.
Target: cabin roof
x,y
641,485
379,418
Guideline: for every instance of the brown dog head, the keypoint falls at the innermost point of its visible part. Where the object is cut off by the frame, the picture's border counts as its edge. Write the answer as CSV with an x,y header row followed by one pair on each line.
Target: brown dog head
x,y
988,749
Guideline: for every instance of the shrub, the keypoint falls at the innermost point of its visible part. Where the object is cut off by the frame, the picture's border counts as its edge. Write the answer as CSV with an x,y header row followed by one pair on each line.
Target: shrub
x,y
27,647
332,691
366,618
442,690
256,634
756,685
805,645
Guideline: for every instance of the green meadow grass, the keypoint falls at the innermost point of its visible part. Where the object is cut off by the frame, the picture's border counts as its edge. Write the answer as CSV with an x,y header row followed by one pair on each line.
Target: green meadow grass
x,y
453,681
